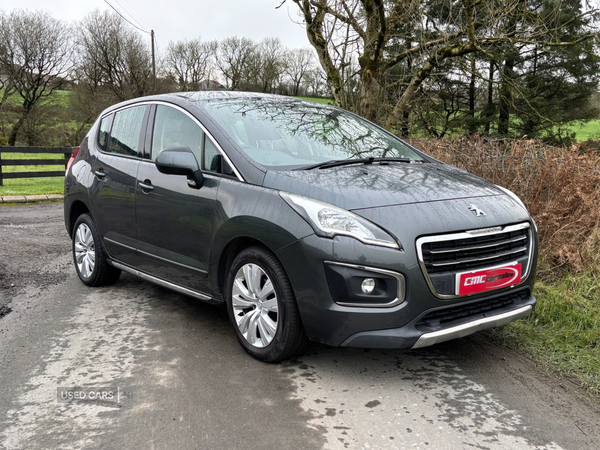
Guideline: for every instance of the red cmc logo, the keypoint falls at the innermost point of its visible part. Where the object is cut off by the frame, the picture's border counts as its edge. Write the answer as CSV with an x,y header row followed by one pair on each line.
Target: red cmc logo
x,y
488,279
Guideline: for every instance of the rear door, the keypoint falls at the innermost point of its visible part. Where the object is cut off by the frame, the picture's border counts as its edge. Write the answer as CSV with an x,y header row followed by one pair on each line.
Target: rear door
x,y
115,168
175,222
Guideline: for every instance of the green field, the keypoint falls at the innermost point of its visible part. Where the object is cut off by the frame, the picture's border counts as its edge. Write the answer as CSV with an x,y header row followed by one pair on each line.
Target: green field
x,y
587,131
58,98
325,101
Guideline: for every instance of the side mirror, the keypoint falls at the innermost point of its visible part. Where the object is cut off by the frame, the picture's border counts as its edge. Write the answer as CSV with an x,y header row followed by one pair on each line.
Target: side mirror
x,y
180,161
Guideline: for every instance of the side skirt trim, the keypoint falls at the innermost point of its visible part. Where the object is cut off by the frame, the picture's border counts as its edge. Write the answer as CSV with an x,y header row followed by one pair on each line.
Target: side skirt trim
x,y
164,283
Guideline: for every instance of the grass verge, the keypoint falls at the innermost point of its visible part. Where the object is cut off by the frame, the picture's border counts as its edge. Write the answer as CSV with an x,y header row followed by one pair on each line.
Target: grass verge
x,y
563,333
33,186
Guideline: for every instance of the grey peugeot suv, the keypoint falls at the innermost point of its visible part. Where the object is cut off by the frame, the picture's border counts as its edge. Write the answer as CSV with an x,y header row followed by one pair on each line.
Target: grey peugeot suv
x,y
306,221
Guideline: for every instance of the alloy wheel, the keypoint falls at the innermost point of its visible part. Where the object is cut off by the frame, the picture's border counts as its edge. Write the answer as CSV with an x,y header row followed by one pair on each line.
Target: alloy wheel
x,y
85,250
255,305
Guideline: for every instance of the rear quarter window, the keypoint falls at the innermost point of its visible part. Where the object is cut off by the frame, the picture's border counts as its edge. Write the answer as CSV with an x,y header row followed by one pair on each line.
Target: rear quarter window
x,y
104,131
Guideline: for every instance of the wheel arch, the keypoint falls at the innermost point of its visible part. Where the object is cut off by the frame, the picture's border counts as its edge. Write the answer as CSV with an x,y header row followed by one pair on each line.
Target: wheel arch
x,y
240,233
228,254
76,209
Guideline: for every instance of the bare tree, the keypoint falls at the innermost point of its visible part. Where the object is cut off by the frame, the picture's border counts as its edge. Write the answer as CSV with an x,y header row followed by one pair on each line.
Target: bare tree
x,y
35,54
299,63
6,85
270,57
114,56
236,59
190,62
316,82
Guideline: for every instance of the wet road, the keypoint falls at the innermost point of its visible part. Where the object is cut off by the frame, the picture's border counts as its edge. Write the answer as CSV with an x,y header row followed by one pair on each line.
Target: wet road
x,y
183,382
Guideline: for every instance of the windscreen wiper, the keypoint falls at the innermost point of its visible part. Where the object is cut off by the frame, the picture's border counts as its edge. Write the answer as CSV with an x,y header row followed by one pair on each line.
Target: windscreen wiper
x,y
345,162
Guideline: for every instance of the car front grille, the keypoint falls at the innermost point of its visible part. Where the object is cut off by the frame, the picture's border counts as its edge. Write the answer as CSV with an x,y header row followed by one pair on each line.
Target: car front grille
x,y
449,315
444,256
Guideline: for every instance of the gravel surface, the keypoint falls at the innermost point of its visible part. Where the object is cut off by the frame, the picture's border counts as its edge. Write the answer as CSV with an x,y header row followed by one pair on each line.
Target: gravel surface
x,y
33,250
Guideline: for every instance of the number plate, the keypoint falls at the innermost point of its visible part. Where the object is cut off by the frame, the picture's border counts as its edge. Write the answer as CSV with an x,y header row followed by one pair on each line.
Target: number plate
x,y
488,279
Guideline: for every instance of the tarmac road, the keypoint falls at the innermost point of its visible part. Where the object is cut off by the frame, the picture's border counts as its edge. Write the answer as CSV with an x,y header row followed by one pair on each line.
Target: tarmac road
x,y
164,371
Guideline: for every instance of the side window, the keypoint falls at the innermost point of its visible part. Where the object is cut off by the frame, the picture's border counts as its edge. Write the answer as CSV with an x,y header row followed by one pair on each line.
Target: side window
x,y
126,129
103,131
212,158
213,161
172,128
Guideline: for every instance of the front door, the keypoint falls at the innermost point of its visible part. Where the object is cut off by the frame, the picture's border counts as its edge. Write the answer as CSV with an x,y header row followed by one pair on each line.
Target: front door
x,y
175,222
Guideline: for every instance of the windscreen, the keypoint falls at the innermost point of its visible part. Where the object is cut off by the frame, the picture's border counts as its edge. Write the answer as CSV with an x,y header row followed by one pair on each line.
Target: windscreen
x,y
291,134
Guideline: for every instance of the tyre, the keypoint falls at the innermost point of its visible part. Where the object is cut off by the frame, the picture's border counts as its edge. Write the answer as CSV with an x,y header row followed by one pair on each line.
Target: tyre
x,y
262,307
88,254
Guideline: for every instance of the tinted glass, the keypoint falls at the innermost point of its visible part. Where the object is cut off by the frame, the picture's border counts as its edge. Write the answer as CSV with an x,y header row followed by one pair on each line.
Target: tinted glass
x,y
103,131
125,134
173,128
212,157
289,134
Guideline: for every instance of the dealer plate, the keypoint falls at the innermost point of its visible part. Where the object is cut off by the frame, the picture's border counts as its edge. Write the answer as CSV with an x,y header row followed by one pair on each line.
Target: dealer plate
x,y
488,279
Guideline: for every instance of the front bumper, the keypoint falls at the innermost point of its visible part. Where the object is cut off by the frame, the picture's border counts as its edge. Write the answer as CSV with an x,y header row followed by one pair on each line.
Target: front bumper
x,y
459,331
402,325
415,335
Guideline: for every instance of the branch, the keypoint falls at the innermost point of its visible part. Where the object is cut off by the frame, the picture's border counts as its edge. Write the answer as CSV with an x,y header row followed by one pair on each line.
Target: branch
x,y
350,20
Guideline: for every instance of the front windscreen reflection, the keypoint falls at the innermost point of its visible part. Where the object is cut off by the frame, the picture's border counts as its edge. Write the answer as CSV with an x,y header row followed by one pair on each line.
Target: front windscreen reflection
x,y
288,134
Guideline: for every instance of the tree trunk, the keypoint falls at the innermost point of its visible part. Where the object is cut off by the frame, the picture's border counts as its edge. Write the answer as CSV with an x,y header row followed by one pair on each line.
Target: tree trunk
x,y
403,104
12,139
404,128
490,100
506,94
472,124
508,73
314,32
370,95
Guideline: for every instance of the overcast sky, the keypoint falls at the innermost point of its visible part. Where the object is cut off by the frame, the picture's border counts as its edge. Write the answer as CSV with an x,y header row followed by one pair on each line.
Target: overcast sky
x,y
174,20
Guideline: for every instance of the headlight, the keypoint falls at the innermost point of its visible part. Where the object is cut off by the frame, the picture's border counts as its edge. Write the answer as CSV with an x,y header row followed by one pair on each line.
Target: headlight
x,y
328,221
513,196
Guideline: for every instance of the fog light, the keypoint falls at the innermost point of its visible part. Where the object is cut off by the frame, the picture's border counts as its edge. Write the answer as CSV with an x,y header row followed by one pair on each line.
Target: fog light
x,y
368,285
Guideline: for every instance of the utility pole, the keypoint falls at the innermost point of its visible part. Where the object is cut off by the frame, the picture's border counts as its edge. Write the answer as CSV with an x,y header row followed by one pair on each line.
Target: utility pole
x,y
153,60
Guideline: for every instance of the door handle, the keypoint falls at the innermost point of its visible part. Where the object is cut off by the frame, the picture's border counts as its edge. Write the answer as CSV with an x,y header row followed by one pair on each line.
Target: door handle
x,y
146,186
99,174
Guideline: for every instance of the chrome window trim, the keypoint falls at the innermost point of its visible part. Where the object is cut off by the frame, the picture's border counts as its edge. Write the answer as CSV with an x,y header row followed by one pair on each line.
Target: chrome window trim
x,y
468,235
214,141
400,295
183,110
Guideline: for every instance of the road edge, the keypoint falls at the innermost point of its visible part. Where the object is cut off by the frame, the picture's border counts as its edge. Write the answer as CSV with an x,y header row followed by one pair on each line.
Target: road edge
x,y
31,198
